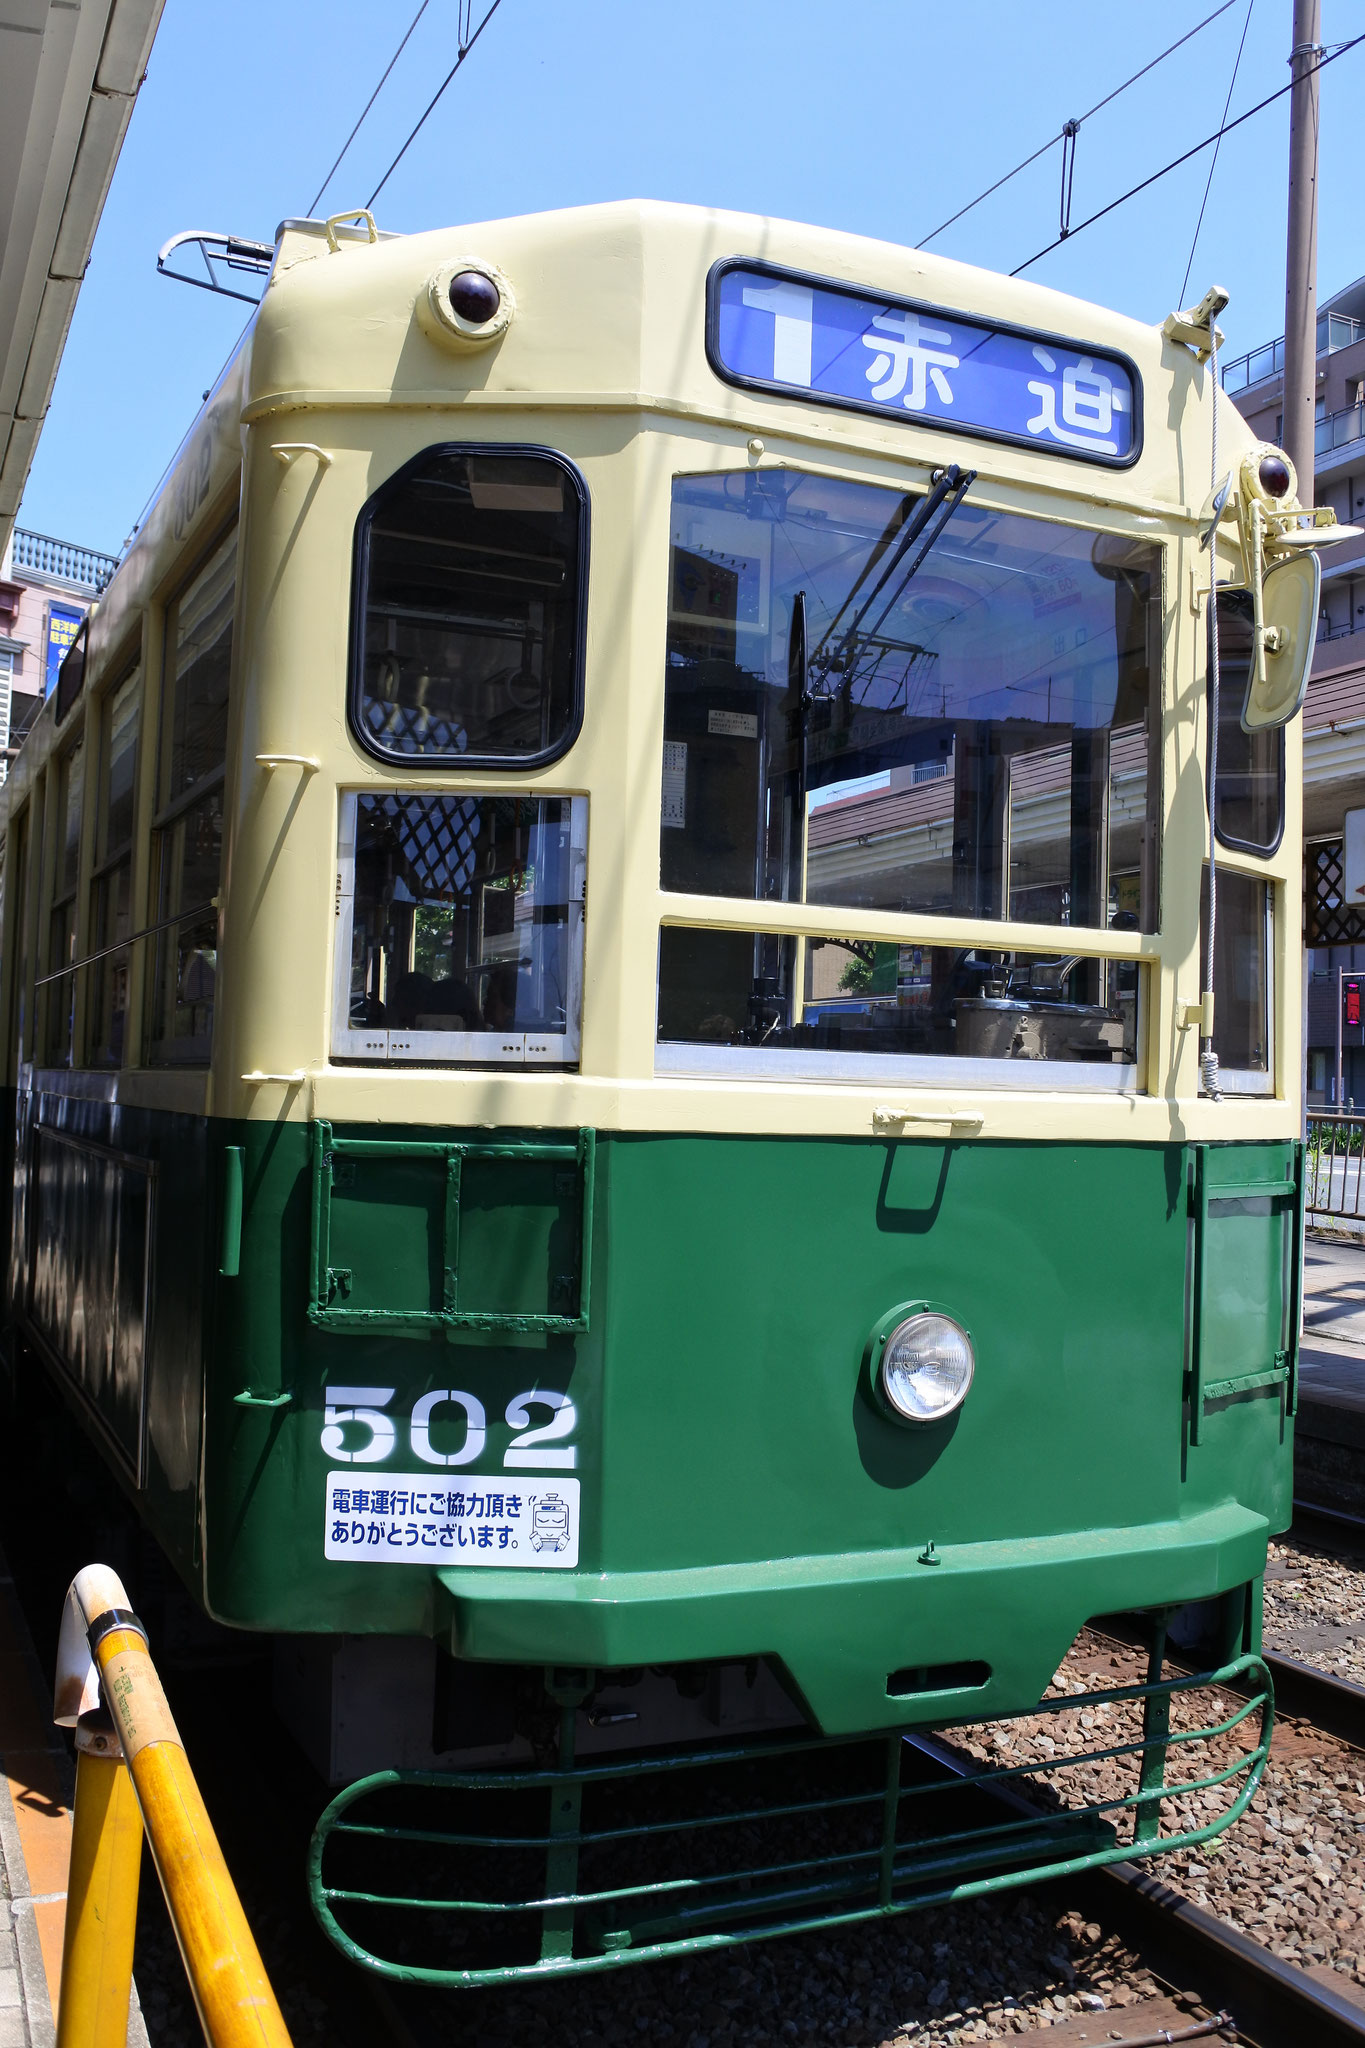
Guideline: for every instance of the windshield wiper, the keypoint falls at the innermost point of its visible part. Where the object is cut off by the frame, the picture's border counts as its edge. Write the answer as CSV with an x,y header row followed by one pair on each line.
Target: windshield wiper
x,y
926,522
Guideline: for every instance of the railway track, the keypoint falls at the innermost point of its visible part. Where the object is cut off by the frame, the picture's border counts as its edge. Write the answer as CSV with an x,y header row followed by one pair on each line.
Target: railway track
x,y
1270,2003
1216,1976
1210,1969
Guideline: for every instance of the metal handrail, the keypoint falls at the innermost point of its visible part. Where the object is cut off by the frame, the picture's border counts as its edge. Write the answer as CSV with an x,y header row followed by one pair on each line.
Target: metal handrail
x,y
131,1763
1338,429
121,945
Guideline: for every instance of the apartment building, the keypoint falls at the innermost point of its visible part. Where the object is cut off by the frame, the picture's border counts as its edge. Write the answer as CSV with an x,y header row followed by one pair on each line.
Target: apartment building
x,y
46,588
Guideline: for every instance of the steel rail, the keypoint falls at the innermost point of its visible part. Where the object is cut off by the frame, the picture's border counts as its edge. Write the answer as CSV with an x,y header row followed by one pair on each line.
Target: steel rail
x,y
1336,1519
1336,1705
1274,2003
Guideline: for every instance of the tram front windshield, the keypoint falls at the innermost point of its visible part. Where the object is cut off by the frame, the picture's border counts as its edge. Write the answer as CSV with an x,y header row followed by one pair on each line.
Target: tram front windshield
x,y
972,733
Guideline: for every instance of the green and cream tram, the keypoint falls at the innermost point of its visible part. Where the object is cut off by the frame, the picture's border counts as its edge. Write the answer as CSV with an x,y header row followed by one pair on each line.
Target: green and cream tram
x,y
602,997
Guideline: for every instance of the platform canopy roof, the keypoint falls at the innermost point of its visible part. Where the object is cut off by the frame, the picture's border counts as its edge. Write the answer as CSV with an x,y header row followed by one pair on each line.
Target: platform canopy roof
x,y
69,74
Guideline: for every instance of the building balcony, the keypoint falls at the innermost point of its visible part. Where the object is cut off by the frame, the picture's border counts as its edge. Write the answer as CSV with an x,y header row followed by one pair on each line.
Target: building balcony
x,y
1335,330
83,568
1338,430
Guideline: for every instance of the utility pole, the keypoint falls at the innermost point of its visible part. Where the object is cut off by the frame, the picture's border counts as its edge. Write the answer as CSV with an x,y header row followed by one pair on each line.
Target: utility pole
x,y
1301,267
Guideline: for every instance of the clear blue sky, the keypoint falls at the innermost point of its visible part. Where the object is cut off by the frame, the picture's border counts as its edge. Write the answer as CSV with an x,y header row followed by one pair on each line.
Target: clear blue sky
x,y
877,117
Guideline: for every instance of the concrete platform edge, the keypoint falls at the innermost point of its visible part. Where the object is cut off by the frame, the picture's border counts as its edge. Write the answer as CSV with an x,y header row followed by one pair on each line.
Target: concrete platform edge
x,y
42,2032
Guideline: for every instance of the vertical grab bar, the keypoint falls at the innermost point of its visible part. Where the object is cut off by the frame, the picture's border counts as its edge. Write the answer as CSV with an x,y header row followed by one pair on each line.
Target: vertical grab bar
x,y
230,1259
1200,1203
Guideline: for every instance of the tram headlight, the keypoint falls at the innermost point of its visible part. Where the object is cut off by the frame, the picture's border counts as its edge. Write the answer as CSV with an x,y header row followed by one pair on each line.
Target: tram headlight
x,y
467,304
925,1369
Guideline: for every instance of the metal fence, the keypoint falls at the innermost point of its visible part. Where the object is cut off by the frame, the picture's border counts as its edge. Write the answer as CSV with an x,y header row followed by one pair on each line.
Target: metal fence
x,y
1335,1168
59,558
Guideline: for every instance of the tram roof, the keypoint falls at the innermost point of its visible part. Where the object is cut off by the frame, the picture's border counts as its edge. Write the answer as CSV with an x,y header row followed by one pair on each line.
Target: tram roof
x,y
611,316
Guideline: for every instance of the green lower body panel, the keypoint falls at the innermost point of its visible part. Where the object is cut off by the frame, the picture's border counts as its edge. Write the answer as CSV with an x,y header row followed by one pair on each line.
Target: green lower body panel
x,y
606,1399
841,1626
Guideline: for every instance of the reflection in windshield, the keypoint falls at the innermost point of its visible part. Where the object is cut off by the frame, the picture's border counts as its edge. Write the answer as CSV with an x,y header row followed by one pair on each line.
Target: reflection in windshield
x,y
981,745
854,720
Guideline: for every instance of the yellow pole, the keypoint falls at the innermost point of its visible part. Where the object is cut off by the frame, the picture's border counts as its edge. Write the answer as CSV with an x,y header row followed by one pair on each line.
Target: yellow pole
x,y
101,1896
236,2005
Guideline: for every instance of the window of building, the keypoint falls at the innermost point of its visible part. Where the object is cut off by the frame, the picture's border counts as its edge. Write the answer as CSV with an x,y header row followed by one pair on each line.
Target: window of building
x,y
470,577
22,996
120,722
1249,798
188,829
61,943
1241,981
460,928
854,720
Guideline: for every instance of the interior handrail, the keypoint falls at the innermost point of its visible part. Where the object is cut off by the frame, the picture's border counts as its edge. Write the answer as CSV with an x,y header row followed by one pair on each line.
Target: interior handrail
x,y
148,931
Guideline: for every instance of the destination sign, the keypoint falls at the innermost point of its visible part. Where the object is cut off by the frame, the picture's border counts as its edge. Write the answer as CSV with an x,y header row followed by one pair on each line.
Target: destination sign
x,y
784,332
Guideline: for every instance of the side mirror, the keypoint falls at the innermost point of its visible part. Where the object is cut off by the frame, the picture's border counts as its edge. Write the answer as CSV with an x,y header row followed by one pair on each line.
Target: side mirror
x,y
1277,681
1279,540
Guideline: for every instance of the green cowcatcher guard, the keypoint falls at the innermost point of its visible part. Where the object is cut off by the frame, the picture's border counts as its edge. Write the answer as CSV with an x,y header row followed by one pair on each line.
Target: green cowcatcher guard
x,y
487,1877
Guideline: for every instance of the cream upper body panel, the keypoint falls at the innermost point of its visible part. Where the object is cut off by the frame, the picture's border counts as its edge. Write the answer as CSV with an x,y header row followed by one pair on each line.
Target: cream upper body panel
x,y
337,383
611,313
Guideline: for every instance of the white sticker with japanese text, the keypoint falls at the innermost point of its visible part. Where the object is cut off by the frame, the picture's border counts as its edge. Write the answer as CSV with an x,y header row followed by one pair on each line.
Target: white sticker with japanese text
x,y
413,1518
675,784
733,725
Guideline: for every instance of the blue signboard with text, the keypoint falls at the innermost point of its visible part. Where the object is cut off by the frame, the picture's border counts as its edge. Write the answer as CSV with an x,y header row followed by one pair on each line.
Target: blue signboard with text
x,y
63,623
785,332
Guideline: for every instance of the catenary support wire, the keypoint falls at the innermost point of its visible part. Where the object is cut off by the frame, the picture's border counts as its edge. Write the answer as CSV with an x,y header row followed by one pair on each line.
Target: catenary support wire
x,y
1208,183
1175,163
1071,126
466,45
384,79
1069,134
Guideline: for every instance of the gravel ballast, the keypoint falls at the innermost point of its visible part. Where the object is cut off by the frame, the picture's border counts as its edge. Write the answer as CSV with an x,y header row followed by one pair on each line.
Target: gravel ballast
x,y
1315,1604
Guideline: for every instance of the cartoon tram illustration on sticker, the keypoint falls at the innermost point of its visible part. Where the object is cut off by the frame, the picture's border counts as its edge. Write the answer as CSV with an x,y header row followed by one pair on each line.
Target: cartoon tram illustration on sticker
x,y
550,1523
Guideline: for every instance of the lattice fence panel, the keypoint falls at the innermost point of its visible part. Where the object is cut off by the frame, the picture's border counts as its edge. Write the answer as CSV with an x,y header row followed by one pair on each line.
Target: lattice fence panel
x,y
1327,921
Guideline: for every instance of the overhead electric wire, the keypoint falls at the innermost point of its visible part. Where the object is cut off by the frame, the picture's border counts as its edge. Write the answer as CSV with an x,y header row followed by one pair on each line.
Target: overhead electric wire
x,y
1175,163
368,104
416,130
1208,183
1071,127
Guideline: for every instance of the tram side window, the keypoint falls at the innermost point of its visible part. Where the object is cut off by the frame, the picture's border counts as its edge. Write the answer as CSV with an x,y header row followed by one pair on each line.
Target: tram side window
x,y
1249,797
469,604
1241,980
803,1002
461,927
61,943
111,887
851,721
21,999
188,829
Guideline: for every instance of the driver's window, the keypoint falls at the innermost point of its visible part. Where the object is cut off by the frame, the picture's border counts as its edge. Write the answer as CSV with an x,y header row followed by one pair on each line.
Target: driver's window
x,y
852,720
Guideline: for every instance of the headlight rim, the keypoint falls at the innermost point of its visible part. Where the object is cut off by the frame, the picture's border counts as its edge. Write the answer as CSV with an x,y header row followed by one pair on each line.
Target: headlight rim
x,y
883,1330
439,320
